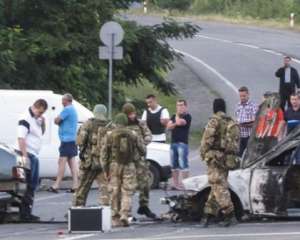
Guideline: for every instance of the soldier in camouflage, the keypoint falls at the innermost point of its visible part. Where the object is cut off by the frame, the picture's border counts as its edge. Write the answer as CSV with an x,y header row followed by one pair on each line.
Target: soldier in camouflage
x,y
88,138
120,148
143,132
219,148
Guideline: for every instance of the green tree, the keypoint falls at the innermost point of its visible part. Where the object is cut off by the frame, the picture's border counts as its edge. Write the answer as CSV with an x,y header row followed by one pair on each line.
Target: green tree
x,y
54,45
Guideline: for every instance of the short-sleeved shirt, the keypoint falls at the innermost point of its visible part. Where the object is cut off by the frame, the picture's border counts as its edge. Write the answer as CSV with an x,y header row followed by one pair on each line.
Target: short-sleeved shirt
x,y
68,125
180,134
245,113
164,115
291,117
30,129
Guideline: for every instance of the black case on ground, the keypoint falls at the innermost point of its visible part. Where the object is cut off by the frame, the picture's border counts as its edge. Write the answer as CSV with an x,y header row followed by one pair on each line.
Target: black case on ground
x,y
89,219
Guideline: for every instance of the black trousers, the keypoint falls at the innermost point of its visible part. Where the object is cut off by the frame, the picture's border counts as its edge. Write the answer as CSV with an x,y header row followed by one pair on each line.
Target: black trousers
x,y
285,94
27,200
243,145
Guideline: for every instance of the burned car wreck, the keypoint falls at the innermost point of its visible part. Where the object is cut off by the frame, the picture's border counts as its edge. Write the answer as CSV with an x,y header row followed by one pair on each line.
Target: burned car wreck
x,y
267,183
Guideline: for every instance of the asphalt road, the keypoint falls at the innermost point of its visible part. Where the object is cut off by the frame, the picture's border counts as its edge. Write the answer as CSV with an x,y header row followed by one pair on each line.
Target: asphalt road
x,y
54,206
227,56
50,205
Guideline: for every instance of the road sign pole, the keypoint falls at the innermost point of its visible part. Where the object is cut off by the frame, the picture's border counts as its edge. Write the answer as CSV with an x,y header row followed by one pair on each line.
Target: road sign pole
x,y
110,76
111,34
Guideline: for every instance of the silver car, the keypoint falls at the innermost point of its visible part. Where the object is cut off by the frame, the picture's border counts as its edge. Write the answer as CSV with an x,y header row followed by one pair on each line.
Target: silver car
x,y
12,181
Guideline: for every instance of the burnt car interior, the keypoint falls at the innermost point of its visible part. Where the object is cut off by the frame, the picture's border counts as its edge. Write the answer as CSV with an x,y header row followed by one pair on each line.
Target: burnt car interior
x,y
289,160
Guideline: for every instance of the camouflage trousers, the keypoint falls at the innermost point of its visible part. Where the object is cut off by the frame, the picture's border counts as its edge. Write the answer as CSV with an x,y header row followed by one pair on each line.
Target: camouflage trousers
x,y
143,182
122,186
86,179
219,198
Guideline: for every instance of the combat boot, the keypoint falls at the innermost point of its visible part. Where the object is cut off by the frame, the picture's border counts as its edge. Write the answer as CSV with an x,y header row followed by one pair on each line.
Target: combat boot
x,y
116,222
144,210
207,220
124,222
229,220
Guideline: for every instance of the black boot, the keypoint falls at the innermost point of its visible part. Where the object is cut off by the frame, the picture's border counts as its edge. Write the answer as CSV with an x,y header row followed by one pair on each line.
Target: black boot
x,y
229,220
27,203
144,210
207,220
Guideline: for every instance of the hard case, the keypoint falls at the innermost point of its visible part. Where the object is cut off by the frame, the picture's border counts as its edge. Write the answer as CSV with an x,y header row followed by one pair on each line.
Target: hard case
x,y
89,219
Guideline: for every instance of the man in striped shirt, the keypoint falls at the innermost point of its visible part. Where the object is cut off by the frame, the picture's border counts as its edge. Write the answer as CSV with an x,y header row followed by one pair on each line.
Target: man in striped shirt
x,y
245,115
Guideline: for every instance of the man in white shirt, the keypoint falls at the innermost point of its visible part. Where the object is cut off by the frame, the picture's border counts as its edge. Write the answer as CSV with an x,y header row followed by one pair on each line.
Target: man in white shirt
x,y
157,118
31,128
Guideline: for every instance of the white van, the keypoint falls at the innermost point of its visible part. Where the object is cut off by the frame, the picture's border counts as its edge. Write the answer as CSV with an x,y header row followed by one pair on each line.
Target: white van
x,y
15,102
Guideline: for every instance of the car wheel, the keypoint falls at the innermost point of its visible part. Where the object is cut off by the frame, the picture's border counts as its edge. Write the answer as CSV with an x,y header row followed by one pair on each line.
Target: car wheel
x,y
154,176
2,214
238,208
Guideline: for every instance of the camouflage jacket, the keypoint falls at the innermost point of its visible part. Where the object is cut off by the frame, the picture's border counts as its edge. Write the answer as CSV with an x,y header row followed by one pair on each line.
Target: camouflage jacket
x,y
221,137
142,130
108,153
87,140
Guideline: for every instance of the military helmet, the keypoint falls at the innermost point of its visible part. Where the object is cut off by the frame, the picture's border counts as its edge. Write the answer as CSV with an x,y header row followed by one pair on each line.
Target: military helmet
x,y
128,108
100,111
121,119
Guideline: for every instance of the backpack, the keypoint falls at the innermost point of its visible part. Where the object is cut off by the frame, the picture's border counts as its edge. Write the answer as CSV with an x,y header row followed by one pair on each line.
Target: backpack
x,y
123,145
229,141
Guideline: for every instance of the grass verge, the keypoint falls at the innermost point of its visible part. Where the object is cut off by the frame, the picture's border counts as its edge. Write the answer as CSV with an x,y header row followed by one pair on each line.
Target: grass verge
x,y
242,20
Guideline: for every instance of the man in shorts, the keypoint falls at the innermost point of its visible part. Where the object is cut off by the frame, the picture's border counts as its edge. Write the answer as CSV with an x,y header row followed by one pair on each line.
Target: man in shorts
x,y
180,125
67,122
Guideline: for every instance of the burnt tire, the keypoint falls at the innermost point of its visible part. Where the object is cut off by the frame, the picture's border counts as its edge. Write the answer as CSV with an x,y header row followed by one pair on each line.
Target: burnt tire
x,y
238,208
2,213
154,176
2,216
201,199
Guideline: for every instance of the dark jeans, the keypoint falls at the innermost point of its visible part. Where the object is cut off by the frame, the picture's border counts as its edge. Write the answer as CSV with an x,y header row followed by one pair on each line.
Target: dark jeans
x,y
34,171
32,179
243,145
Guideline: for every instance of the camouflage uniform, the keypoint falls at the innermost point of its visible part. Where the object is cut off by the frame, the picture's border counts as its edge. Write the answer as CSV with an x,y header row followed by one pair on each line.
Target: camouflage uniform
x,y
143,166
215,156
88,139
121,171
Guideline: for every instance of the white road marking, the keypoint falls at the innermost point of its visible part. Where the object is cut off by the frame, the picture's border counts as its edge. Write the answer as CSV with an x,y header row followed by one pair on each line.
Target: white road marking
x,y
272,52
218,236
213,38
213,70
80,237
246,45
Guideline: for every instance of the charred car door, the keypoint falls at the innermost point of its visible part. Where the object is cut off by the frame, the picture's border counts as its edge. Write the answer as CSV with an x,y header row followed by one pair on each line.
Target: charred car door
x,y
268,184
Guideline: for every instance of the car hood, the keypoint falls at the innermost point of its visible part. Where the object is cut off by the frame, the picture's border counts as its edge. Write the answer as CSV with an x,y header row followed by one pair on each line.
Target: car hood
x,y
239,182
200,182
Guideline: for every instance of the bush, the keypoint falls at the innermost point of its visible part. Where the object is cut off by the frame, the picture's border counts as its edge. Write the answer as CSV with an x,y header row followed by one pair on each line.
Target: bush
x,y
264,9
180,5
